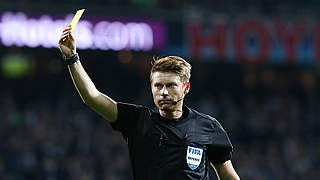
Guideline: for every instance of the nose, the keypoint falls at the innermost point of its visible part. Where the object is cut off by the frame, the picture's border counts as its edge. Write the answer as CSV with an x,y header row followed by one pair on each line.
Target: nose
x,y
164,91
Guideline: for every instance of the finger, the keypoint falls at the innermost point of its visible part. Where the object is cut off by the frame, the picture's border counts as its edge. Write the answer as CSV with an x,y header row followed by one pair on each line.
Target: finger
x,y
63,39
64,36
69,28
70,35
65,33
66,30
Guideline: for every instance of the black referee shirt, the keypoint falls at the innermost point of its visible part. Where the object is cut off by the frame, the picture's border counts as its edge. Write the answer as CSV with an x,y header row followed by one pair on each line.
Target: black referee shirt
x,y
167,149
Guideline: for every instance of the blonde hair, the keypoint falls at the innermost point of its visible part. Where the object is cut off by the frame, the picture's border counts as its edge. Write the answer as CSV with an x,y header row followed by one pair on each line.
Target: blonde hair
x,y
174,64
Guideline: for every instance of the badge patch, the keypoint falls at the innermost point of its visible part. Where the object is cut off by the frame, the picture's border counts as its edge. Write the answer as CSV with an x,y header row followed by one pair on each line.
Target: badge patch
x,y
194,156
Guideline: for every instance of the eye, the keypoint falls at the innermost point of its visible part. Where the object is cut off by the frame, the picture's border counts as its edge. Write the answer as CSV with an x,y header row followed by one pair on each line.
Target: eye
x,y
171,85
157,85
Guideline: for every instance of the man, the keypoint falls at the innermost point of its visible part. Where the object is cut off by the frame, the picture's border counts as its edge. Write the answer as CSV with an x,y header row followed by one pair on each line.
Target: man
x,y
171,141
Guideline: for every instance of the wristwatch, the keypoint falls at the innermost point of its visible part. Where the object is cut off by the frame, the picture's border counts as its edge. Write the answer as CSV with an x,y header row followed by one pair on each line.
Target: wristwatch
x,y
71,60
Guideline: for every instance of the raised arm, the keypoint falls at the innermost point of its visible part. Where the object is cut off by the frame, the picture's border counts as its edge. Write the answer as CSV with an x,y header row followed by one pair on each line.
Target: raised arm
x,y
89,94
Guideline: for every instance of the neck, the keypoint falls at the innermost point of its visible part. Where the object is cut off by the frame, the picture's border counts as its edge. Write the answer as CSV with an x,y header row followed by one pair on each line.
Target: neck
x,y
176,114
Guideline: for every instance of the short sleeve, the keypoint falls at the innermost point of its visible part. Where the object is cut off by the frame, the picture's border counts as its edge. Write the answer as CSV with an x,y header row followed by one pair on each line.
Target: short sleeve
x,y
128,115
220,148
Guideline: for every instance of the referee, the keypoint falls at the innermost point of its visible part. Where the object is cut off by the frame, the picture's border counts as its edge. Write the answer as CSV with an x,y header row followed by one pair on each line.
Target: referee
x,y
171,141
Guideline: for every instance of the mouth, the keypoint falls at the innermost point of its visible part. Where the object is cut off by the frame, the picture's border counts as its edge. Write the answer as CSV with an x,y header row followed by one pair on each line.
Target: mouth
x,y
163,102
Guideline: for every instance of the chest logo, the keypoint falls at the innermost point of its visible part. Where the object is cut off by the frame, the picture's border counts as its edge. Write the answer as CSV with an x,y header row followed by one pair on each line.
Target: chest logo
x,y
194,156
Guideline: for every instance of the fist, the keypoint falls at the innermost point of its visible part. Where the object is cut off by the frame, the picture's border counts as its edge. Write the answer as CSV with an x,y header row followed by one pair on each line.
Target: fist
x,y
67,44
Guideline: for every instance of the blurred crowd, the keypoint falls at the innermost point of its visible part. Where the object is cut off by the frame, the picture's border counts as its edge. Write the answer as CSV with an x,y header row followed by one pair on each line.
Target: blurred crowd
x,y
226,6
271,115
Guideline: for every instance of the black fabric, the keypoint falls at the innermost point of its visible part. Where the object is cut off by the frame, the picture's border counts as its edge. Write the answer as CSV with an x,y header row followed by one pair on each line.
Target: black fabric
x,y
158,146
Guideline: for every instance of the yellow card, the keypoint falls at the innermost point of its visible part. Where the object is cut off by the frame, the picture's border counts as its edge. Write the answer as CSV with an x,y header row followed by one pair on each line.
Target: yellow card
x,y
76,18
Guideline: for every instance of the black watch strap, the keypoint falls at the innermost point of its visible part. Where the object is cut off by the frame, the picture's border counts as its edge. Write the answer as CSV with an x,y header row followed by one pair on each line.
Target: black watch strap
x,y
71,60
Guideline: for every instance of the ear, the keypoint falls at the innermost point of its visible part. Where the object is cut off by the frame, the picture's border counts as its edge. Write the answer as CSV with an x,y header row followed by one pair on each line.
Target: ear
x,y
187,88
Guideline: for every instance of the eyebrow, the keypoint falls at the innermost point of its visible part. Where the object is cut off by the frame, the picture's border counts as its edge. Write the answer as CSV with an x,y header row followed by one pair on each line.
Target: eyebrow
x,y
170,83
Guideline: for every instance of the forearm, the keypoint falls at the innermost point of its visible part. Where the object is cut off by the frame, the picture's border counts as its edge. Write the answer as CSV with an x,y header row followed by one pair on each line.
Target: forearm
x,y
89,94
225,171
82,82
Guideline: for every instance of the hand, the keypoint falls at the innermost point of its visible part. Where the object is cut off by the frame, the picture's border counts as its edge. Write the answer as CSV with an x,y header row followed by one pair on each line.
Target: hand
x,y
67,44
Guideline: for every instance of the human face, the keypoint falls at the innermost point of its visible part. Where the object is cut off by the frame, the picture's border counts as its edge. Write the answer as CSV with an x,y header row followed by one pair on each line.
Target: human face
x,y
166,88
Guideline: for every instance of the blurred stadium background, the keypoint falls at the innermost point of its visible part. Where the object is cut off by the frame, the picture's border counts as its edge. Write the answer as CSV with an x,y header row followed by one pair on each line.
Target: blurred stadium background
x,y
255,68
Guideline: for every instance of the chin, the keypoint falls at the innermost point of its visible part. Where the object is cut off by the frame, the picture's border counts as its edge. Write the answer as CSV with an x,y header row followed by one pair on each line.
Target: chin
x,y
166,107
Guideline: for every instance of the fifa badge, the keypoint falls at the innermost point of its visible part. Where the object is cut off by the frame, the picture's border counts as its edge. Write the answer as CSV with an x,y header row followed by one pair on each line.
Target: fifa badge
x,y
194,156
